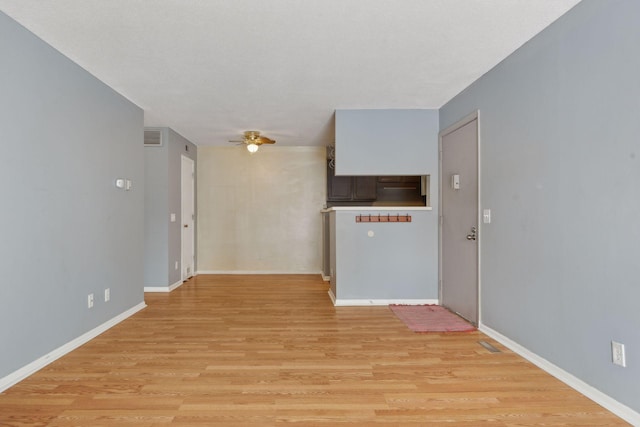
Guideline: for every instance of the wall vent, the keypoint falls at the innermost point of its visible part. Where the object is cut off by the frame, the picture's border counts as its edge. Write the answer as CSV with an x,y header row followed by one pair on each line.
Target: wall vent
x,y
152,138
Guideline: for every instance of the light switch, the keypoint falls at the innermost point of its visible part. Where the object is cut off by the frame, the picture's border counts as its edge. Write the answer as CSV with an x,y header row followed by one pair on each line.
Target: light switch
x,y
128,185
486,216
173,217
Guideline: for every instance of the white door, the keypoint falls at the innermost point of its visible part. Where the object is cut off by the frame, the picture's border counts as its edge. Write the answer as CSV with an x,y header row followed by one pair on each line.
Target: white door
x,y
188,218
459,222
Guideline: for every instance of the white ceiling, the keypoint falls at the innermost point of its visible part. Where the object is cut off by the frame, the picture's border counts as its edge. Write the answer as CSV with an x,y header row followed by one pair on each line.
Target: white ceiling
x,y
211,69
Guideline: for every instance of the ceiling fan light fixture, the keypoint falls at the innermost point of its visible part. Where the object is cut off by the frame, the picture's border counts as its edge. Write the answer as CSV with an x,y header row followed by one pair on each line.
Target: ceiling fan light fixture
x,y
253,140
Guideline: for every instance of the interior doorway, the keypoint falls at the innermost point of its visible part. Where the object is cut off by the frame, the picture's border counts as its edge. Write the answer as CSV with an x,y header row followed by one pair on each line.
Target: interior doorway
x,y
188,218
459,225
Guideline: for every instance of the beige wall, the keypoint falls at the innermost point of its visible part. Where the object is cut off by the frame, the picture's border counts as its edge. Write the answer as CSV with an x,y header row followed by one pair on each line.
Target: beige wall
x,y
260,212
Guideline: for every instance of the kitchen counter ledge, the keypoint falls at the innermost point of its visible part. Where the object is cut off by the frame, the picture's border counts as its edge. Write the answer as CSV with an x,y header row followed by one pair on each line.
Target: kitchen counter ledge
x,y
377,208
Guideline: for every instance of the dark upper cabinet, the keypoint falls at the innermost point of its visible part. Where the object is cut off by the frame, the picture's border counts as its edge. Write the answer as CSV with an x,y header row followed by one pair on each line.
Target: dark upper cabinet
x,y
364,188
399,190
338,187
350,188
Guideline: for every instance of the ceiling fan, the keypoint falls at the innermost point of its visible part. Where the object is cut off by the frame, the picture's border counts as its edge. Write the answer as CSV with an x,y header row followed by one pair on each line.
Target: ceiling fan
x,y
253,140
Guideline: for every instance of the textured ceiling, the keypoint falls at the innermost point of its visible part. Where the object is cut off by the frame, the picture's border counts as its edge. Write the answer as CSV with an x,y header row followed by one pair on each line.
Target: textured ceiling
x,y
210,69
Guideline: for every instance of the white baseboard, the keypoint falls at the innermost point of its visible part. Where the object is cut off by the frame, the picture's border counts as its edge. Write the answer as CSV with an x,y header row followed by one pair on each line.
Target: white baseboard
x,y
332,296
22,373
592,393
163,288
367,302
326,278
249,272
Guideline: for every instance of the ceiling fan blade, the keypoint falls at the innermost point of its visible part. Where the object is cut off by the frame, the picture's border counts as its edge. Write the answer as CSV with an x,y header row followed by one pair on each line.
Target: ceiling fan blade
x,y
265,140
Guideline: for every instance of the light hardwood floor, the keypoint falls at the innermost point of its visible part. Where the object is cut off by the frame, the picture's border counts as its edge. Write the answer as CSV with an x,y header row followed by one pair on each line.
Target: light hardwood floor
x,y
272,350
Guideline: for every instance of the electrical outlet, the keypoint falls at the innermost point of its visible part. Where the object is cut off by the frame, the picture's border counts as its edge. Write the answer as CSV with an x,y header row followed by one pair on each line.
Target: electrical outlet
x,y
617,354
90,301
176,265
107,294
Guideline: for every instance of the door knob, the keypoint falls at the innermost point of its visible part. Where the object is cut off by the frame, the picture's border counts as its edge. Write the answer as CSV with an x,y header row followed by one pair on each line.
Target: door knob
x,y
472,235
186,226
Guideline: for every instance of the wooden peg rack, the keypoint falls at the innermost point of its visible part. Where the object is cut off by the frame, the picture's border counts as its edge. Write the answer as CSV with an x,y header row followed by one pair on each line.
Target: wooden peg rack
x,y
383,218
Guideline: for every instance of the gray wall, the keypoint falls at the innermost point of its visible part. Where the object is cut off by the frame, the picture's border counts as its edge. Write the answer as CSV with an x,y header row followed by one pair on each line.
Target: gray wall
x,y
333,271
156,213
386,142
66,230
560,171
162,247
400,261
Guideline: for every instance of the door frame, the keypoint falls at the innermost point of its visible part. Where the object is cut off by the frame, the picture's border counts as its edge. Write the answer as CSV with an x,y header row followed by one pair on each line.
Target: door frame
x,y
192,165
457,125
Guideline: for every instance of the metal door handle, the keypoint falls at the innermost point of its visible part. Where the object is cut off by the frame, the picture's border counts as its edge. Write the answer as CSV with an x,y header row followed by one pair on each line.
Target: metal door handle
x,y
472,236
186,226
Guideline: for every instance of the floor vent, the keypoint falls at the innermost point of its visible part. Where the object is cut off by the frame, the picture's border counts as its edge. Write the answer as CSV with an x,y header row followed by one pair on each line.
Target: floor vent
x,y
489,347
152,138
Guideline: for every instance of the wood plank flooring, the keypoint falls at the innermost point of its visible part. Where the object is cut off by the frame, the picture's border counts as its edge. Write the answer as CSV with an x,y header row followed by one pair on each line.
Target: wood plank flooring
x,y
271,350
